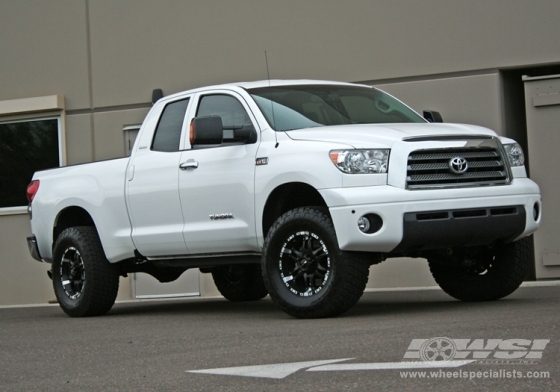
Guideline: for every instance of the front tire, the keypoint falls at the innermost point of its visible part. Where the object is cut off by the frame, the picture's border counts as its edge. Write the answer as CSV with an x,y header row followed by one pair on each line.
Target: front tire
x,y
485,274
84,282
304,270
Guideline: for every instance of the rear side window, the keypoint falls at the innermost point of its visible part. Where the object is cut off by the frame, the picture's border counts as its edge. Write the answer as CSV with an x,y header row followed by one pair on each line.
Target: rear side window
x,y
168,132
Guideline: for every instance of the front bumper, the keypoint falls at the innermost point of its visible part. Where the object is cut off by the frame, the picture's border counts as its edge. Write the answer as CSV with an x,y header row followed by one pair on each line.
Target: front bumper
x,y
33,248
402,231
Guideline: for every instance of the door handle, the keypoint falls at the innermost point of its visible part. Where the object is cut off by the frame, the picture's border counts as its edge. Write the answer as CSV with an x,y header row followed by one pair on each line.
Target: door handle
x,y
190,164
131,173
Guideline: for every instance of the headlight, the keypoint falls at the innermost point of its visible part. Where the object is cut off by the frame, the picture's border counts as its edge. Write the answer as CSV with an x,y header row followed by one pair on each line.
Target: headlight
x,y
515,154
360,161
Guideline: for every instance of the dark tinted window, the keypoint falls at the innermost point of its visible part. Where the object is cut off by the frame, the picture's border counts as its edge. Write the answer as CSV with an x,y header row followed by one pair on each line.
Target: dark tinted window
x,y
168,132
231,111
25,147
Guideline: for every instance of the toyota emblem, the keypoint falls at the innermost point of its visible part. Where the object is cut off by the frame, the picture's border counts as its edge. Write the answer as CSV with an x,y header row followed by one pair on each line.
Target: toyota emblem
x,y
458,165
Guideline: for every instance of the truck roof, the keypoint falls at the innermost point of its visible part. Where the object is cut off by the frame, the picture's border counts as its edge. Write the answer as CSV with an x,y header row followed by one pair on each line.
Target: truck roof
x,y
263,83
281,82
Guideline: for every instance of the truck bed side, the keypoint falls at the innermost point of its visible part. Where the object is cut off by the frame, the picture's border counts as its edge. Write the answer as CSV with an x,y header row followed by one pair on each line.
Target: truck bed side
x,y
96,188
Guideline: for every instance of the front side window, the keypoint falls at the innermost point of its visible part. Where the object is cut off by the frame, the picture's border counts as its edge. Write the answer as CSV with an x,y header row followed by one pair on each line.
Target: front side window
x,y
26,147
233,114
168,131
305,106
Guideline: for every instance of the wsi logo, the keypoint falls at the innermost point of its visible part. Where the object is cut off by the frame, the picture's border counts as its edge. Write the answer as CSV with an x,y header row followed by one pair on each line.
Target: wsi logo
x,y
483,350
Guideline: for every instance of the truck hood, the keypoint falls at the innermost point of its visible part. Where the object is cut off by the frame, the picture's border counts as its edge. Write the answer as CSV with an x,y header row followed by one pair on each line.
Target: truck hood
x,y
384,135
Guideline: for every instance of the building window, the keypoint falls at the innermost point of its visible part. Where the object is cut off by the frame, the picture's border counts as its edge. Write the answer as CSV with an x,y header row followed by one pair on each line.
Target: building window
x,y
25,147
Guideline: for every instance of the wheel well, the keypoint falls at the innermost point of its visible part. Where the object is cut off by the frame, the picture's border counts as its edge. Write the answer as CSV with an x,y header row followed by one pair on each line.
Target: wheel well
x,y
70,217
287,197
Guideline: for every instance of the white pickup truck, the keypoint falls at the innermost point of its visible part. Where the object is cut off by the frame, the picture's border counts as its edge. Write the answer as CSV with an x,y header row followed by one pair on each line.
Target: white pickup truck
x,y
292,189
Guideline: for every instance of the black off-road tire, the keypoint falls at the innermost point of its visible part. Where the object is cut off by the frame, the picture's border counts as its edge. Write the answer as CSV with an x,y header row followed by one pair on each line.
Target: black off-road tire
x,y
240,282
304,270
503,272
84,282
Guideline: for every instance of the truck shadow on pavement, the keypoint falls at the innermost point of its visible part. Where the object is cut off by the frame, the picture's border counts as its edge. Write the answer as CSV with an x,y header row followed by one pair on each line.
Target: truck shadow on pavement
x,y
372,304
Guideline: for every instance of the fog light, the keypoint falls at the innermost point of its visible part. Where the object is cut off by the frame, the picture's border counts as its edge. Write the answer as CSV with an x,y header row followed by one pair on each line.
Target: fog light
x,y
370,223
363,224
536,212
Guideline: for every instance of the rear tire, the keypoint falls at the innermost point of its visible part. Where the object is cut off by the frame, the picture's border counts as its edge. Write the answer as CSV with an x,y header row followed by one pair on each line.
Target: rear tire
x,y
486,275
240,282
306,273
84,282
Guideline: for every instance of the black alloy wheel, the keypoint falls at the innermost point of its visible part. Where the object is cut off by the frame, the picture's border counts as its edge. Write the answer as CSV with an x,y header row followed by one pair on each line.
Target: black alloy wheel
x,y
72,273
304,263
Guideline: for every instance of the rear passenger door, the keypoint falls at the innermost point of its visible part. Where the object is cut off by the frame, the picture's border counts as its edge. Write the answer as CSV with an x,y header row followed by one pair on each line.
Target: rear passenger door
x,y
217,190
152,185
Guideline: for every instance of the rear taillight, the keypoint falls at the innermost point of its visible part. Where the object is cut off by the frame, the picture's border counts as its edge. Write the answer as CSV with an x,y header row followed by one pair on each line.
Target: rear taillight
x,y
32,189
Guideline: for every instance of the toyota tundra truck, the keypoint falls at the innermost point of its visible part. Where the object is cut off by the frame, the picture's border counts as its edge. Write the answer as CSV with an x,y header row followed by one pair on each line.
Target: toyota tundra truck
x,y
291,189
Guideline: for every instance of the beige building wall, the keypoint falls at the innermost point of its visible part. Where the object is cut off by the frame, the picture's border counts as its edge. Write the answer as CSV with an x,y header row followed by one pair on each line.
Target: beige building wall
x,y
22,279
105,57
44,50
124,49
108,140
175,45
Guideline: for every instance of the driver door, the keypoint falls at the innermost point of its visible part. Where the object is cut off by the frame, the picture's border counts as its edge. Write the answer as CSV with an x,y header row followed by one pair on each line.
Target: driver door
x,y
216,185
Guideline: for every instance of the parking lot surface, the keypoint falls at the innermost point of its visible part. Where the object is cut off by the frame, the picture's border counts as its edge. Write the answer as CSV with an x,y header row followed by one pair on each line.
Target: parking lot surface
x,y
384,343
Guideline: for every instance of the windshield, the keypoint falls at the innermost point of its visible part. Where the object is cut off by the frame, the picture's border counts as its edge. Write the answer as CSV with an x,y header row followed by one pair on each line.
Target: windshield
x,y
305,106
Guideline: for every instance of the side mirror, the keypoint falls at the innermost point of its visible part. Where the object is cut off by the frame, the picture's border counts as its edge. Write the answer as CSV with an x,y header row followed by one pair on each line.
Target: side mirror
x,y
246,134
433,116
206,130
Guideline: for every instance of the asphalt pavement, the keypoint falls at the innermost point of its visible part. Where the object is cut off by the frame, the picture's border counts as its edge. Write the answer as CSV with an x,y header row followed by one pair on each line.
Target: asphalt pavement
x,y
395,340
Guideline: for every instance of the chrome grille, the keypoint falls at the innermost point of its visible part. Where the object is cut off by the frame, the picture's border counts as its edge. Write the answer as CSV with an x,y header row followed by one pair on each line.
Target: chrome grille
x,y
431,168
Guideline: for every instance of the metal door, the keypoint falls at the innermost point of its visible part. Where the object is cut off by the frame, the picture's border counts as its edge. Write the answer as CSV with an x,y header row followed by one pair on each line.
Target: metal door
x,y
542,102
